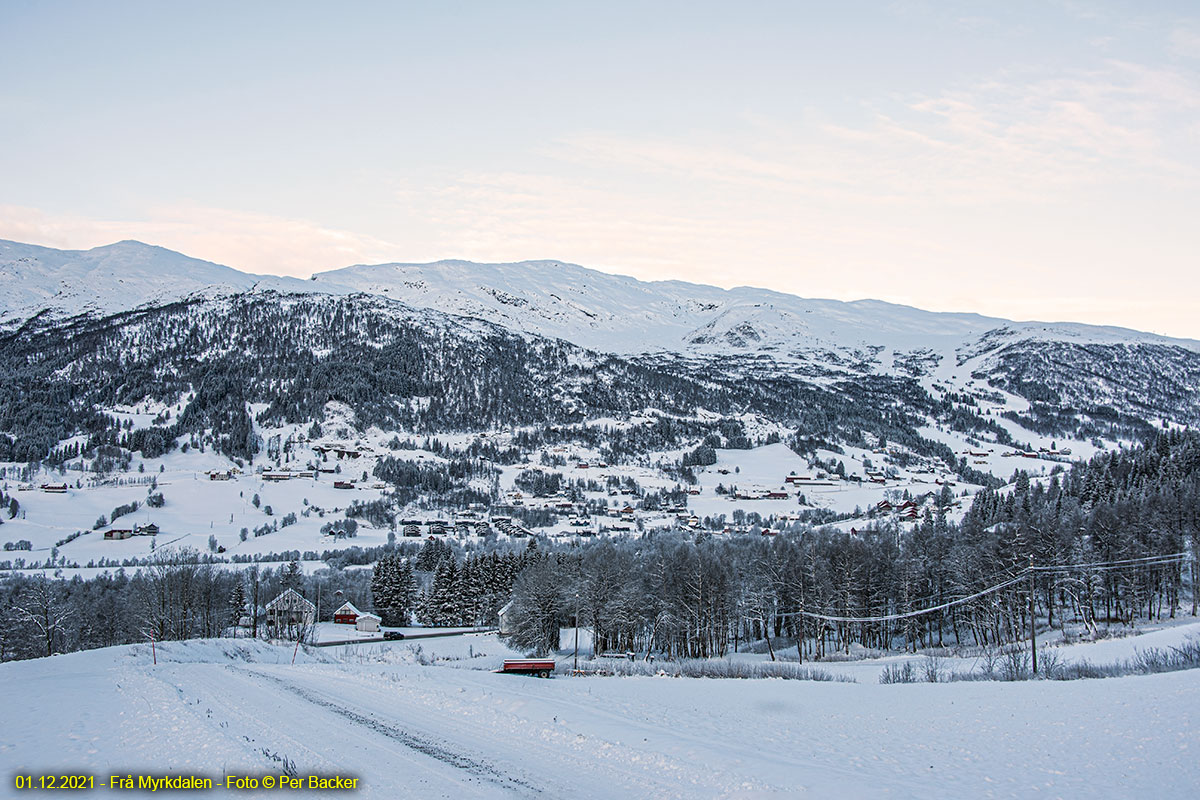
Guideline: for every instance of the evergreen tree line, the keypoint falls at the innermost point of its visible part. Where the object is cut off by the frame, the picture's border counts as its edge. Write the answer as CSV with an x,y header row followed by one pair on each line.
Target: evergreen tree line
x,y
466,592
1142,382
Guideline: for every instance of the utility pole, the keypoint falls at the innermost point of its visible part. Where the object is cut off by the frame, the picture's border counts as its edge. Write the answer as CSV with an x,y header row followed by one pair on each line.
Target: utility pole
x,y
576,632
1032,622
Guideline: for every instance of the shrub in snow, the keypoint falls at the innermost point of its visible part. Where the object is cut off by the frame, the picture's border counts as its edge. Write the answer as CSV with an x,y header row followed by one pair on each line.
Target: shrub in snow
x,y
898,673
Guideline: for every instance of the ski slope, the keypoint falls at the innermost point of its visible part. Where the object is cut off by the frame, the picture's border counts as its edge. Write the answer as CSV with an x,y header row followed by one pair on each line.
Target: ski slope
x,y
406,730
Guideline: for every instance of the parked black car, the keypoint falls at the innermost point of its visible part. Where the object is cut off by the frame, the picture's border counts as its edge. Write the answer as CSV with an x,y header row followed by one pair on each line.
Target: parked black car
x,y
392,635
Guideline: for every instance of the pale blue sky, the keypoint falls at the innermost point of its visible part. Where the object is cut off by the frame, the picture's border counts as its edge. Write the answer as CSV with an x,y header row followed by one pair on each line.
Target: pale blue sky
x,y
1031,160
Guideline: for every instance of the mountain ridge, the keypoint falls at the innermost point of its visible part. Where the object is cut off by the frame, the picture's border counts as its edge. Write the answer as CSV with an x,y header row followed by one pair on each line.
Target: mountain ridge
x,y
598,310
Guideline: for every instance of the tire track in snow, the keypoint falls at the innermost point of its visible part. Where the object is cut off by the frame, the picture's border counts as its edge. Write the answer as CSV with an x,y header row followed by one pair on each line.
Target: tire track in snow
x,y
425,746
606,767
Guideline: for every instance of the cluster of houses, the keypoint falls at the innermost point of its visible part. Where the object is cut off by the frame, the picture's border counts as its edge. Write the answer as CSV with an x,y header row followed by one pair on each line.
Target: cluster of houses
x,y
365,621
280,475
116,534
794,481
341,450
287,475
291,608
510,527
909,509
758,493
462,525
1042,452
808,480
465,523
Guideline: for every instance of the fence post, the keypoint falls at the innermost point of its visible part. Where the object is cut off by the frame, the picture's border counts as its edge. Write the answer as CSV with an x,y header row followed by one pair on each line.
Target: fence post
x,y
1032,621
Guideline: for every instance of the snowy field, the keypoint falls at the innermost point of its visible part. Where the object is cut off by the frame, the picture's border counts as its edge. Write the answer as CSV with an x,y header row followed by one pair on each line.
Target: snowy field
x,y
432,721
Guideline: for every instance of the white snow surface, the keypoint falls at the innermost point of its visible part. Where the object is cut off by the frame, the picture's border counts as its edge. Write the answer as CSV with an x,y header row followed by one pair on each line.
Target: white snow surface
x,y
405,729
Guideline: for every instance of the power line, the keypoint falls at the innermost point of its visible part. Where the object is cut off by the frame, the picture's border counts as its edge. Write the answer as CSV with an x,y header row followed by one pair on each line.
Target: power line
x,y
1129,563
907,614
1133,561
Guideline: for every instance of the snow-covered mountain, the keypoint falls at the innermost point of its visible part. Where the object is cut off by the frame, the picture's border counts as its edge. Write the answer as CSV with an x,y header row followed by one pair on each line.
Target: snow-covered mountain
x,y
596,310
1049,372
614,313
115,277
620,314
552,299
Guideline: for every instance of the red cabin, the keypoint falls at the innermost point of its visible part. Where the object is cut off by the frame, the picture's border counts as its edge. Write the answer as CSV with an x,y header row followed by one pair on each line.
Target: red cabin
x,y
346,614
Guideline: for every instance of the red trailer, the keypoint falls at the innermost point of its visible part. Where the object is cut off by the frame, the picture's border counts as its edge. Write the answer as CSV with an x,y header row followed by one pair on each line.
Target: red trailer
x,y
538,667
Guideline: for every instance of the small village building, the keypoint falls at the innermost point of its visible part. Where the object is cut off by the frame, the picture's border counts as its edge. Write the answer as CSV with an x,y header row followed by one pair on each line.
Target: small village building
x,y
343,484
54,488
118,533
368,622
290,608
346,614
146,530
506,618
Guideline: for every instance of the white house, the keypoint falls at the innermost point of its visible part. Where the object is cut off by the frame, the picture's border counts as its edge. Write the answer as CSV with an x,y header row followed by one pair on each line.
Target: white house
x,y
290,608
367,622
506,618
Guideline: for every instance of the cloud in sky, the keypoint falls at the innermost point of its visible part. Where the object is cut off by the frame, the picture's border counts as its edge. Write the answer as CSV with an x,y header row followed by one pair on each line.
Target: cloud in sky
x,y
1185,41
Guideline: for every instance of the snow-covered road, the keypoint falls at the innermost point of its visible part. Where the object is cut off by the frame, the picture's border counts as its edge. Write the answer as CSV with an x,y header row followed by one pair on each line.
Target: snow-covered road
x,y
431,731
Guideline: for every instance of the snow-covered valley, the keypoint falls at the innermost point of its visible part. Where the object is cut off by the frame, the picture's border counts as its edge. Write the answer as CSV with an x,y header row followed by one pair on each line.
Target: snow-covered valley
x,y
709,477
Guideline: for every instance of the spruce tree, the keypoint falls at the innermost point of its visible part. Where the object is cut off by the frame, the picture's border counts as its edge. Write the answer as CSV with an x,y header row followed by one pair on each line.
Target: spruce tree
x,y
406,595
237,604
